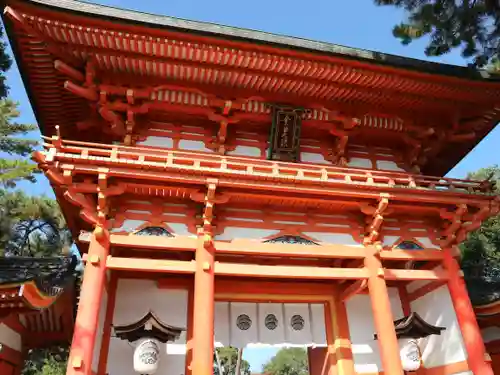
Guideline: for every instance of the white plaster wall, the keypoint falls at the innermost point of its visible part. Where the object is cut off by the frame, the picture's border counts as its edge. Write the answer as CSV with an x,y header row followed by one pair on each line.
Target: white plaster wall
x,y
190,145
437,309
491,334
231,233
387,165
245,151
334,238
134,299
360,163
426,241
155,141
362,328
100,328
310,157
128,225
10,338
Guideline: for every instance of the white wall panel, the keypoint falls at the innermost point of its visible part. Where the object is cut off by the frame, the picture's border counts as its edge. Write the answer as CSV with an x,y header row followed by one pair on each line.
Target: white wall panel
x,y
312,317
10,337
437,308
362,328
134,299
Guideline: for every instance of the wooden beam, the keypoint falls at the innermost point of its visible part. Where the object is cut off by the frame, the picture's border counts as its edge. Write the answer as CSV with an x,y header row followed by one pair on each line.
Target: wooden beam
x,y
289,272
425,289
426,254
236,247
252,270
353,289
255,248
150,265
392,274
178,243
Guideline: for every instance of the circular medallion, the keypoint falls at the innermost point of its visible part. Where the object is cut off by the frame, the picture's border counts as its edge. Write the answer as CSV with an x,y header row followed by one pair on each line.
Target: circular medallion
x,y
243,322
271,322
297,322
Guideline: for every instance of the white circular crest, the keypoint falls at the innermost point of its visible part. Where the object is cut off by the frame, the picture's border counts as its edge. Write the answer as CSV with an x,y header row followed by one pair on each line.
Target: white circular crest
x,y
410,354
146,356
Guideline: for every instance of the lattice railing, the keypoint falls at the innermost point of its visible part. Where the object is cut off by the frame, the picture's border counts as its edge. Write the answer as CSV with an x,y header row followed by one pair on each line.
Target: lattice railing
x,y
231,166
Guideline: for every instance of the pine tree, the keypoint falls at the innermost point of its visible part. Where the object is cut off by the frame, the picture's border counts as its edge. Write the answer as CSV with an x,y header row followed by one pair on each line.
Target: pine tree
x,y
5,63
31,226
13,170
473,26
481,251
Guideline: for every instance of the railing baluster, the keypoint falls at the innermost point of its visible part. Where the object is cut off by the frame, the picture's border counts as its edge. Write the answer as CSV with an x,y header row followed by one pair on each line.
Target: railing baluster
x,y
324,175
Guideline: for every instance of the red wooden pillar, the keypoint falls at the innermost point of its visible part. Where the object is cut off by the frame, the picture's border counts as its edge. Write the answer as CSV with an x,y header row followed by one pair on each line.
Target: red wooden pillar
x,y
382,315
471,333
11,361
343,349
318,360
203,309
93,284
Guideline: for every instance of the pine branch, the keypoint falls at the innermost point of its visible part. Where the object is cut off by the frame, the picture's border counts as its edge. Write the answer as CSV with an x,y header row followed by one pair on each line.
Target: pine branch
x,y
13,171
473,26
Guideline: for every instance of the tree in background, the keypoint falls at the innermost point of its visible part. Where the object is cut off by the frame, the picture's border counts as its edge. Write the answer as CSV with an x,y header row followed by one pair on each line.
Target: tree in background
x,y
31,226
473,26
288,361
13,170
5,63
51,361
481,251
228,357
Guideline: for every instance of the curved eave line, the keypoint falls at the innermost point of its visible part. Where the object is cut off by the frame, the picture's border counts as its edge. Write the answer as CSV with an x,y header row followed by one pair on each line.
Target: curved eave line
x,y
36,298
256,37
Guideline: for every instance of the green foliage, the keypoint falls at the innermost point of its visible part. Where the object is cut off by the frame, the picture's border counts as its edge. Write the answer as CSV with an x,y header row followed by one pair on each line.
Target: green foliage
x,y
51,361
5,63
481,250
473,26
288,361
31,226
13,170
228,357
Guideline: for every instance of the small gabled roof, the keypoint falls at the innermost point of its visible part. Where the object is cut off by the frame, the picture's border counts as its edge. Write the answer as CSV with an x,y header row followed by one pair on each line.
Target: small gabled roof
x,y
148,326
414,327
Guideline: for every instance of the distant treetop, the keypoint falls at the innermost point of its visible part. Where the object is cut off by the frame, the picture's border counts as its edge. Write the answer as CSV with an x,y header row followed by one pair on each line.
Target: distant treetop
x,y
473,26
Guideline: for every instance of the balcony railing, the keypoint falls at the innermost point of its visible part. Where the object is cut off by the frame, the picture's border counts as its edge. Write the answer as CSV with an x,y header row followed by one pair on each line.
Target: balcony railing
x,y
247,168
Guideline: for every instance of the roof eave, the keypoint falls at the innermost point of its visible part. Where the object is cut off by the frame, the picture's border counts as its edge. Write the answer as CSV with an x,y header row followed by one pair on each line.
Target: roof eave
x,y
259,37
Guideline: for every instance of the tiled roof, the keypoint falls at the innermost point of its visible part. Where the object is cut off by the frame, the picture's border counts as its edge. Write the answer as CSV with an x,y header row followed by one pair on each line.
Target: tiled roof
x,y
47,273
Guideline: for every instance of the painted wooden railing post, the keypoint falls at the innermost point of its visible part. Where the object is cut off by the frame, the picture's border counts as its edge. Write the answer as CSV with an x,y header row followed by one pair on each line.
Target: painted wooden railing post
x,y
87,318
471,333
382,314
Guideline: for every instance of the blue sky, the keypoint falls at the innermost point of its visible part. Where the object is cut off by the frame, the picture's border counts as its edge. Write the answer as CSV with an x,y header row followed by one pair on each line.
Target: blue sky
x,y
357,24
